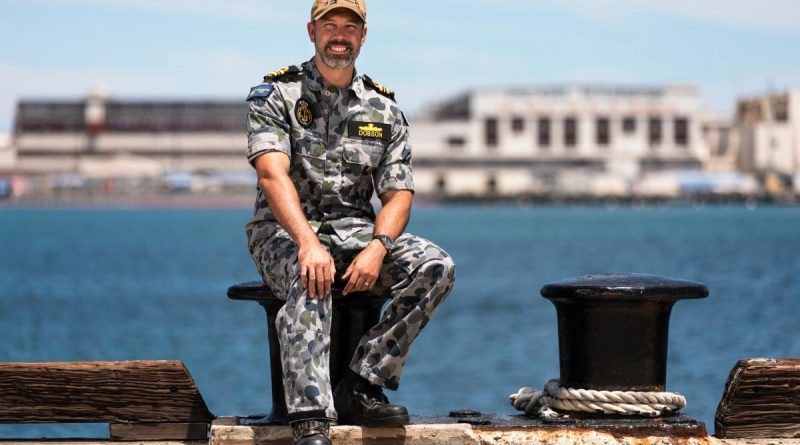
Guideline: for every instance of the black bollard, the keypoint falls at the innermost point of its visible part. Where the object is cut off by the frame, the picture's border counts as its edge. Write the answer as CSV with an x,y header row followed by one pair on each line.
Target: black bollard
x,y
613,329
353,316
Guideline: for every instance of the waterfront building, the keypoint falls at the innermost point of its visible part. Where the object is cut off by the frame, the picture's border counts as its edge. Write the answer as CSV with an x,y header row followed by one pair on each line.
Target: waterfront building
x,y
575,140
7,153
722,138
100,133
768,127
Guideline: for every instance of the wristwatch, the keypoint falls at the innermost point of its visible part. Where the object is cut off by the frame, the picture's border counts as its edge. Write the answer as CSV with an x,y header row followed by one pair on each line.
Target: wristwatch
x,y
386,241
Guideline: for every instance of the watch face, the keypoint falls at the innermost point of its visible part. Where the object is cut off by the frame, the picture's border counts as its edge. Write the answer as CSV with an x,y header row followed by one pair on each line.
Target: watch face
x,y
387,242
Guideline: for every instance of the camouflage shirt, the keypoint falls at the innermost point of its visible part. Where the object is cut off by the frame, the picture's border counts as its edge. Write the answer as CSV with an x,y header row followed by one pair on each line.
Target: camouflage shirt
x,y
344,144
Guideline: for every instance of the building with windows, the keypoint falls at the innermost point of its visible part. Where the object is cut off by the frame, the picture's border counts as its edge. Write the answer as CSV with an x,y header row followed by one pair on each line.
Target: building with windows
x,y
768,128
7,153
569,140
722,138
71,136
583,140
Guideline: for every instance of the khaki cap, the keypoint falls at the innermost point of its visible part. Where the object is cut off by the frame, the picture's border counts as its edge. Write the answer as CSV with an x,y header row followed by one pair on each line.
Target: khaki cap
x,y
322,7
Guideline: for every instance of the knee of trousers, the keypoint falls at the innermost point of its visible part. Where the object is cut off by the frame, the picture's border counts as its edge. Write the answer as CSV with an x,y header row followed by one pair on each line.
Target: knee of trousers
x,y
301,314
441,271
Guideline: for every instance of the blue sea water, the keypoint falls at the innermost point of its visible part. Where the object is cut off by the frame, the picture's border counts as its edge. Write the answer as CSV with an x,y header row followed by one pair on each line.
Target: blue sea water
x,y
150,284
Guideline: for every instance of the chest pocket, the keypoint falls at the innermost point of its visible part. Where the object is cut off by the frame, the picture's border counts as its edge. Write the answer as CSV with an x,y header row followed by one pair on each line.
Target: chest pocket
x,y
363,153
309,154
310,145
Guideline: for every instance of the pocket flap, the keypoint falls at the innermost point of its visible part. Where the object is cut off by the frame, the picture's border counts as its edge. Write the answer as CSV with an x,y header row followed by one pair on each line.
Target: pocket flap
x,y
364,153
311,147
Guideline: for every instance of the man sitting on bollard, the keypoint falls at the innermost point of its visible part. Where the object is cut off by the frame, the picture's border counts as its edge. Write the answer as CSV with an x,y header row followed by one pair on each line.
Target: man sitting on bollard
x,y
323,138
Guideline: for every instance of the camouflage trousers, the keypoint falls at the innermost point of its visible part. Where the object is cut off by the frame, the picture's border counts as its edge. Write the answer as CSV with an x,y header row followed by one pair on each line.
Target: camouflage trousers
x,y
416,275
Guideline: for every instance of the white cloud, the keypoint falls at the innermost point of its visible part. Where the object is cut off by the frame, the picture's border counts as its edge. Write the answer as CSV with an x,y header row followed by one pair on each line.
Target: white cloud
x,y
778,15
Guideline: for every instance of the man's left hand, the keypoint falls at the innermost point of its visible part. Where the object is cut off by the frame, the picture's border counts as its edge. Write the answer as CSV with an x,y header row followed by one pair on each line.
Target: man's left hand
x,y
363,271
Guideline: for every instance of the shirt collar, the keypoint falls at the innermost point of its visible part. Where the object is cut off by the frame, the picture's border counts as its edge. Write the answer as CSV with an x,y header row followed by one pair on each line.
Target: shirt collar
x,y
358,87
313,77
315,82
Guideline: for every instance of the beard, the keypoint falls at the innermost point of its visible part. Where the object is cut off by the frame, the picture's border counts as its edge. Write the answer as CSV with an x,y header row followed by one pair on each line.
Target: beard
x,y
338,61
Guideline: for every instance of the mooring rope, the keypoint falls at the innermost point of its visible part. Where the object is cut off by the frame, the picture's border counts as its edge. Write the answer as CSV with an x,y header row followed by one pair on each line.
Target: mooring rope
x,y
555,397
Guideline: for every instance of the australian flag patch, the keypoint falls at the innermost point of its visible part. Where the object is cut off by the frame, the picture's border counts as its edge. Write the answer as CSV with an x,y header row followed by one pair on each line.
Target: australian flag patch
x,y
261,91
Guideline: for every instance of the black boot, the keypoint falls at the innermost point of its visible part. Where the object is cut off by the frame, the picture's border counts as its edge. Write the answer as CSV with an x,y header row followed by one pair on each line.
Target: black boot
x,y
311,432
359,402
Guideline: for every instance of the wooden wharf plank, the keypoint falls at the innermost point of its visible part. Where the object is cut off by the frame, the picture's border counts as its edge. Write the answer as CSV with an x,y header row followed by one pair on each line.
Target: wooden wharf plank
x,y
133,392
761,400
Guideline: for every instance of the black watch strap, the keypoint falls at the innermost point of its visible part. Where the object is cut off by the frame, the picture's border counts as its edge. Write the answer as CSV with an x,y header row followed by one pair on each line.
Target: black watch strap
x,y
387,242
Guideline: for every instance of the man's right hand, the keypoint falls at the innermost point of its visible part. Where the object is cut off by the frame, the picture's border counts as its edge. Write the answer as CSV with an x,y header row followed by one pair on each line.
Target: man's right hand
x,y
317,270
316,265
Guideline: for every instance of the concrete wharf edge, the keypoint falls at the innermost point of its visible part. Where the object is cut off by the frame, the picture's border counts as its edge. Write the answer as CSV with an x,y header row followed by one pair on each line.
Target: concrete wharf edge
x,y
101,442
227,431
433,436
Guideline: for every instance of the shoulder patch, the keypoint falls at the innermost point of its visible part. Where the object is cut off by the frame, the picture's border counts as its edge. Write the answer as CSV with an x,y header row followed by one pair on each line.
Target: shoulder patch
x,y
285,71
378,87
260,91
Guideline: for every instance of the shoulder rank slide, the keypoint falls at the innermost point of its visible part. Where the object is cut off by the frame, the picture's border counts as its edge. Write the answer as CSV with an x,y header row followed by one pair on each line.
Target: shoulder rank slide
x,y
378,87
260,91
285,71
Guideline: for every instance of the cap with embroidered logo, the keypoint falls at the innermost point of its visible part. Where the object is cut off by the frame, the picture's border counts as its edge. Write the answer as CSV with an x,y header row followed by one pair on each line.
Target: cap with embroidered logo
x,y
322,7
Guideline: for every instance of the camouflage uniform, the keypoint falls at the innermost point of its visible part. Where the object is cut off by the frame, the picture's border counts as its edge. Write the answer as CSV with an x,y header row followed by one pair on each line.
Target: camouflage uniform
x,y
344,144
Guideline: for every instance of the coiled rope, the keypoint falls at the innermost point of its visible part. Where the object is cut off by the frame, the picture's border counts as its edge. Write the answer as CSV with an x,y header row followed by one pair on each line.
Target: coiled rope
x,y
555,397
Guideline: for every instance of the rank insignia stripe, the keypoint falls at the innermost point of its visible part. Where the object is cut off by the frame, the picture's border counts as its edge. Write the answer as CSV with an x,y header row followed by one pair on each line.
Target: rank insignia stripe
x,y
261,91
379,88
292,69
369,130
304,112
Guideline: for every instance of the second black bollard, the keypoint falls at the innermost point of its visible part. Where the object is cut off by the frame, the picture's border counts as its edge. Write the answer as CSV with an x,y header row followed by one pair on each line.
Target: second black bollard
x,y
613,329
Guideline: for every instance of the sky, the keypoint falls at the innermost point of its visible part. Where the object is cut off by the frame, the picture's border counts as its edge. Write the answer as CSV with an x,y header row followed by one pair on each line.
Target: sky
x,y
424,50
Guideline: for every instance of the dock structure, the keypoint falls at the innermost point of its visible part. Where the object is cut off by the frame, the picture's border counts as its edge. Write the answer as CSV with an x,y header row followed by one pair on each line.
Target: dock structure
x,y
158,403
761,400
229,431
225,431
139,400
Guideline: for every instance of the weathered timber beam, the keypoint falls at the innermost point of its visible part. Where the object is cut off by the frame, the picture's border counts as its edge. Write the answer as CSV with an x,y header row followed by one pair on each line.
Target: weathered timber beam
x,y
100,392
761,400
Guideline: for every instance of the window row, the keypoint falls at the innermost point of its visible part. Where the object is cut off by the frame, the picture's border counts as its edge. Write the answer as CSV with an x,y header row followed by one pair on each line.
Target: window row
x,y
602,131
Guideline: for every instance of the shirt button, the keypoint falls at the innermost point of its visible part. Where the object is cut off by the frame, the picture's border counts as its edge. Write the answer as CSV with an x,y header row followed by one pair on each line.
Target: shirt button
x,y
327,93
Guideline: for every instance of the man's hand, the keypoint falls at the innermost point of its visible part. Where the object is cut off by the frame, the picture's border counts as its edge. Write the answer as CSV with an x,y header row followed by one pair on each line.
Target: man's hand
x,y
316,270
363,271
316,265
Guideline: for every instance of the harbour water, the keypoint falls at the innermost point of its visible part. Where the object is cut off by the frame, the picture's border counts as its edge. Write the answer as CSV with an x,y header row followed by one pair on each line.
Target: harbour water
x,y
150,284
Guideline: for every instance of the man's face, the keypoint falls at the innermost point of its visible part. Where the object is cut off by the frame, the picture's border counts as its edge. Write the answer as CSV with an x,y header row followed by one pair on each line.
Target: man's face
x,y
338,37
